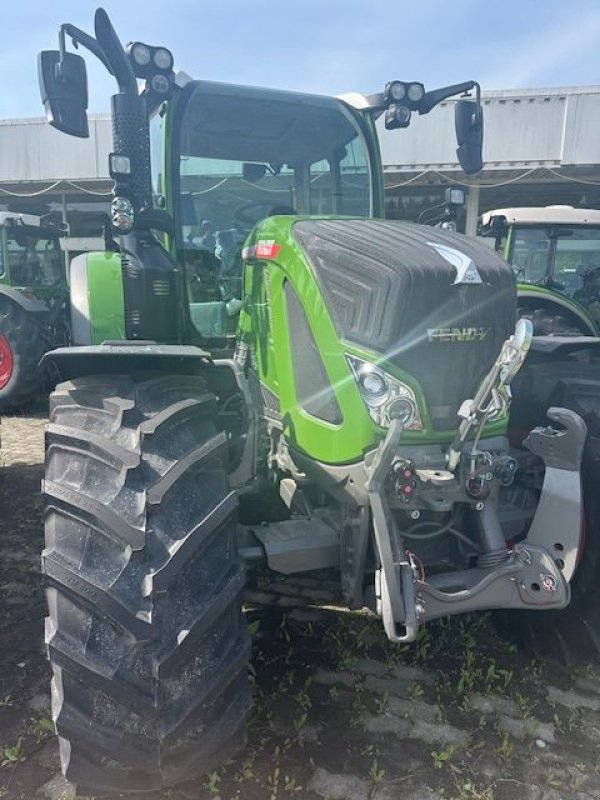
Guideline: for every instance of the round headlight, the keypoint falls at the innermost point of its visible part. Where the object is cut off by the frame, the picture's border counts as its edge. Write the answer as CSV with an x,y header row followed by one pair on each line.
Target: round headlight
x,y
402,115
415,92
397,90
141,54
122,214
373,383
160,84
163,58
404,409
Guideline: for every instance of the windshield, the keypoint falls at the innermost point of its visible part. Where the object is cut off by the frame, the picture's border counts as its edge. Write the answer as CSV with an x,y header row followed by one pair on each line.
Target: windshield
x,y
33,259
565,257
247,154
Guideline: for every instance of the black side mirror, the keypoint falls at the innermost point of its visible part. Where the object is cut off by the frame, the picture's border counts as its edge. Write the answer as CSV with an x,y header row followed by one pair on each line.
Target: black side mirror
x,y
63,87
469,135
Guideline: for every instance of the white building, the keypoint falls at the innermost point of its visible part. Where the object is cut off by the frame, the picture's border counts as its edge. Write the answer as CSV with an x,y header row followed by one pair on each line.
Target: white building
x,y
541,146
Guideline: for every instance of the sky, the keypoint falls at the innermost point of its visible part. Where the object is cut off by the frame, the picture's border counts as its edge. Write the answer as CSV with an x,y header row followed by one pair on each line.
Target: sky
x,y
321,46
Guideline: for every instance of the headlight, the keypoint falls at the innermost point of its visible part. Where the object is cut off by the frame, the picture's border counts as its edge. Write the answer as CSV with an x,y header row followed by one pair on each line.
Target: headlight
x,y
397,117
163,58
415,92
396,90
122,214
374,386
141,54
385,397
160,84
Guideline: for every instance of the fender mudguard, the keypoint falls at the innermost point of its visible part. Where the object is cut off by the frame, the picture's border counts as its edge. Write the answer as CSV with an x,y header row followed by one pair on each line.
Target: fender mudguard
x,y
125,357
28,302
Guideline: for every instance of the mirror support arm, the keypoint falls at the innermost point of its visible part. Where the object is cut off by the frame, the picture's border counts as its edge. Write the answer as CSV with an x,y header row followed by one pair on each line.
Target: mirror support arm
x,y
431,99
377,103
78,37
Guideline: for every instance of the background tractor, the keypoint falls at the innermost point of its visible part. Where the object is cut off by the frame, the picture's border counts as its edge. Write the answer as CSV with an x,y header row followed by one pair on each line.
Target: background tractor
x,y
33,303
266,372
555,253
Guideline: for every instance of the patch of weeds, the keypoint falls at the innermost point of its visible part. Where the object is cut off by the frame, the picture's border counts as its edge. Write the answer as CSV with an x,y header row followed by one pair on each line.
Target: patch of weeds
x,y
289,784
443,756
303,699
507,746
300,723
470,672
12,754
570,722
369,750
497,680
42,728
415,691
556,780
376,773
273,780
212,784
525,704
357,714
422,646
470,791
246,771
382,702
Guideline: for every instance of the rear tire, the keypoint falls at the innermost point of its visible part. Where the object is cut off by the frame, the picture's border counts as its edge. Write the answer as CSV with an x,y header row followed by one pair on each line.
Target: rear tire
x,y
21,342
573,633
148,645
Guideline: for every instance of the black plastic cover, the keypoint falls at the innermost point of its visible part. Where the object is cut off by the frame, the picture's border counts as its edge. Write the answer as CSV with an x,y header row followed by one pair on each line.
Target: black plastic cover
x,y
313,388
388,289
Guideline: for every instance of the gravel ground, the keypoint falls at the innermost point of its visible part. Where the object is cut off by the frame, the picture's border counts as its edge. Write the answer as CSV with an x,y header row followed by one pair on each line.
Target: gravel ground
x,y
340,713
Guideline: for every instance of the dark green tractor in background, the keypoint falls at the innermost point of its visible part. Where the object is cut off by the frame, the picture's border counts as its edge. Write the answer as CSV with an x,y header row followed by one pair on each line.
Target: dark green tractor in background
x,y
555,254
33,303
262,328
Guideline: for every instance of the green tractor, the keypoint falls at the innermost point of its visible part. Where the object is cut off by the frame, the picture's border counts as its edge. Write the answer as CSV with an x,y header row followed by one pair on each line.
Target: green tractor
x,y
33,303
262,330
555,254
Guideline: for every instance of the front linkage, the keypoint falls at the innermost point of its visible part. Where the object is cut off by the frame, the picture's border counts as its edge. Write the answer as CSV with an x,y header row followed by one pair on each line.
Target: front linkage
x,y
533,573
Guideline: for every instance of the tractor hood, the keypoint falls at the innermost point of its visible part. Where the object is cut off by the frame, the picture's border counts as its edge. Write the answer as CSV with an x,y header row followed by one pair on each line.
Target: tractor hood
x,y
435,304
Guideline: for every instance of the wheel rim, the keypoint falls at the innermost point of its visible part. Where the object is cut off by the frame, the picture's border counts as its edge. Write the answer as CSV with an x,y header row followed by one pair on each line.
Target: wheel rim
x,y
7,361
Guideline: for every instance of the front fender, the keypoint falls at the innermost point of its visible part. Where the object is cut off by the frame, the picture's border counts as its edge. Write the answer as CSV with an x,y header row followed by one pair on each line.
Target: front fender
x,y
27,301
124,358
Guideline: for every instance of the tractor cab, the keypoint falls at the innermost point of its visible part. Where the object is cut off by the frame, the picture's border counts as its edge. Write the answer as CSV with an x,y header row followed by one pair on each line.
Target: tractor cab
x,y
555,252
239,155
30,253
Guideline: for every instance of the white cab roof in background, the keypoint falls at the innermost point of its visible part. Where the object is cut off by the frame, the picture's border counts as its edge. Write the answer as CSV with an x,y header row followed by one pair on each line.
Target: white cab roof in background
x,y
547,215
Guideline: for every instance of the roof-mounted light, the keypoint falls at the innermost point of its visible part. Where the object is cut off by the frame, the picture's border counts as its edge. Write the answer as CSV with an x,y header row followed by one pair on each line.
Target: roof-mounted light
x,y
163,58
147,61
140,53
397,116
415,92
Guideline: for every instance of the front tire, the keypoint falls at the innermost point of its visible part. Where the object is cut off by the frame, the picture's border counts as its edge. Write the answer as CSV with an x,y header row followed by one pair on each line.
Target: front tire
x,y
148,645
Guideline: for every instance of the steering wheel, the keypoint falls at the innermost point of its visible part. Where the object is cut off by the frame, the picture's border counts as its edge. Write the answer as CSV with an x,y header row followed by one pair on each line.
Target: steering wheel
x,y
243,215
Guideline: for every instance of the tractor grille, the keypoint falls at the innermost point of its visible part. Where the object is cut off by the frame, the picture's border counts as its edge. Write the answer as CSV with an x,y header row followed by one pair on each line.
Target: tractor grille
x,y
390,291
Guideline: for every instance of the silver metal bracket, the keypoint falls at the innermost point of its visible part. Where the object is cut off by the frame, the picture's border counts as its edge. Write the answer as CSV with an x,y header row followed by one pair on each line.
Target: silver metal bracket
x,y
529,578
557,523
395,586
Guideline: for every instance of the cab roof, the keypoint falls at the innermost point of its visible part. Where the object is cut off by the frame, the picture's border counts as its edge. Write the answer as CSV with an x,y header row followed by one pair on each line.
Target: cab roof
x,y
545,215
